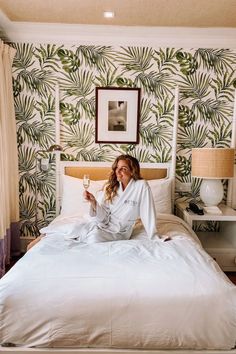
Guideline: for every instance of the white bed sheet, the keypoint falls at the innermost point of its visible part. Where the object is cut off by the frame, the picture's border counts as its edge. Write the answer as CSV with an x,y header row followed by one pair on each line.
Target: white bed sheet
x,y
123,294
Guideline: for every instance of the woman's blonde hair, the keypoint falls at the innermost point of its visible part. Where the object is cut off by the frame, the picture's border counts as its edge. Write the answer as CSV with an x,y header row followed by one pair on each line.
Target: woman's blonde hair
x,y
112,184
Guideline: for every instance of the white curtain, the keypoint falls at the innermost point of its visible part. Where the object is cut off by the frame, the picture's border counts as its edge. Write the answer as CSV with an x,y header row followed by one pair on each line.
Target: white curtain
x,y
9,190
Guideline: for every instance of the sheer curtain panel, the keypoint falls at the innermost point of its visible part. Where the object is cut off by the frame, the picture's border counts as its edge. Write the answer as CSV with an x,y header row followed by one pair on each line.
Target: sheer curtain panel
x,y
9,191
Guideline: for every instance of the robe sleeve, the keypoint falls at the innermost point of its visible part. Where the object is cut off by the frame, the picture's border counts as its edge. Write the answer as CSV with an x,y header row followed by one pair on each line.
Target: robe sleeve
x,y
102,212
148,212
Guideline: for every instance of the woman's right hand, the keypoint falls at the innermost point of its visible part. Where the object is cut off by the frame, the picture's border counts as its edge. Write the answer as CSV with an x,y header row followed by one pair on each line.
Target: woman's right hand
x,y
89,197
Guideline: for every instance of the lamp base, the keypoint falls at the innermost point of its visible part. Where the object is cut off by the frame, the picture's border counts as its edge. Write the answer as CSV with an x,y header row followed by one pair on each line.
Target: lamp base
x,y
211,191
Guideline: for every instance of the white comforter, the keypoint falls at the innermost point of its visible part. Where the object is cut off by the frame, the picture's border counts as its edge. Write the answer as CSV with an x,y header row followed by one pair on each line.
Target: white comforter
x,y
123,294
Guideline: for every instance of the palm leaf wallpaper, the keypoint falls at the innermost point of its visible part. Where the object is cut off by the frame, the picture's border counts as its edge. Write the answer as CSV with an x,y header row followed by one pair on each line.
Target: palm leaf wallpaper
x,y
207,82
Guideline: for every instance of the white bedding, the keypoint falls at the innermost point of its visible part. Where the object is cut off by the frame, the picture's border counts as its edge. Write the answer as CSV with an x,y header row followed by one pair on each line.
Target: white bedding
x,y
123,294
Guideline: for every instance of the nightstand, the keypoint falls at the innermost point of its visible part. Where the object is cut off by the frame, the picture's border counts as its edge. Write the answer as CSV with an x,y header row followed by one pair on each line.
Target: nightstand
x,y
221,245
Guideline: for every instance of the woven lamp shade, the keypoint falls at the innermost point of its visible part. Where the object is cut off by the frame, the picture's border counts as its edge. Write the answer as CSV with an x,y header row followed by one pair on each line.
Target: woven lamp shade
x,y
213,163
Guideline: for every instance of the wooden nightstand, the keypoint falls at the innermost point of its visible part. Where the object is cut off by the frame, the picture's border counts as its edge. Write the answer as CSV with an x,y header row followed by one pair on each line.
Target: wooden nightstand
x,y
221,245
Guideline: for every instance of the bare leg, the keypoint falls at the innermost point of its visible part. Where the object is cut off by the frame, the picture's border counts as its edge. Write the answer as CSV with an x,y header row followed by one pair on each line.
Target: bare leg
x,y
32,243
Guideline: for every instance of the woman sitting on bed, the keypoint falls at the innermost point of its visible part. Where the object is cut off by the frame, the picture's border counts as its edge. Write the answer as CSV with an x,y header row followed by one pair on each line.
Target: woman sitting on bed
x,y
125,198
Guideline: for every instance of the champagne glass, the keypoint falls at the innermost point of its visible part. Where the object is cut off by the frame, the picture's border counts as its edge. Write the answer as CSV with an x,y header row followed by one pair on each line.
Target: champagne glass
x,y
86,182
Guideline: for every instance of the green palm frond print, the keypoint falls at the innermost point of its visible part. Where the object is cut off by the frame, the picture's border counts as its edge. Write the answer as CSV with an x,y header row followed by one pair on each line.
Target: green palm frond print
x,y
135,59
77,136
166,60
77,83
188,64
70,61
47,57
183,168
24,57
206,79
218,60
224,86
100,58
159,85
186,116
191,137
220,135
195,86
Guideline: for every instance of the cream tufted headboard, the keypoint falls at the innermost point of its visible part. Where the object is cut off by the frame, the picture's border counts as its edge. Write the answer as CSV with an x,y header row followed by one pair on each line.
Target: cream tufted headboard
x,y
101,173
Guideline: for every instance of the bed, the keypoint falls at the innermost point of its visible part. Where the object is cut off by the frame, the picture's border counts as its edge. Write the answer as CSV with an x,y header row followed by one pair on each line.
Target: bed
x,y
133,296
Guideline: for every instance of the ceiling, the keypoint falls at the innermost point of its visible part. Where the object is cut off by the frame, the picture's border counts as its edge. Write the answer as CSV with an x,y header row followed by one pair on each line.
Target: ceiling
x,y
166,13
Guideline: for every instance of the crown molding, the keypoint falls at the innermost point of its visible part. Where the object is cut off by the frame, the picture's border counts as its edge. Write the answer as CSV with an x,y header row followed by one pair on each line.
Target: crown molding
x,y
27,32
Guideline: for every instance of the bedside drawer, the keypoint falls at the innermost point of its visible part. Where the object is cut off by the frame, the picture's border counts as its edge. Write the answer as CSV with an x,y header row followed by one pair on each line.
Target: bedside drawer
x,y
225,260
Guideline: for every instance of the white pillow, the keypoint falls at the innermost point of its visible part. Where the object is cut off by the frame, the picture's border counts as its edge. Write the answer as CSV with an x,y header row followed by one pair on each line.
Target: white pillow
x,y
161,191
72,195
73,202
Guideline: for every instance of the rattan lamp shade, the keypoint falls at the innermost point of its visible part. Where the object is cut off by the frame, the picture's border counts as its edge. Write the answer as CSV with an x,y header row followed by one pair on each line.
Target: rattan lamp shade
x,y
213,163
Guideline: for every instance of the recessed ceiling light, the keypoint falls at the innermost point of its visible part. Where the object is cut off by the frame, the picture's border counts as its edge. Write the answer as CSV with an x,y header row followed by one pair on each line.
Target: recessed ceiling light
x,y
108,14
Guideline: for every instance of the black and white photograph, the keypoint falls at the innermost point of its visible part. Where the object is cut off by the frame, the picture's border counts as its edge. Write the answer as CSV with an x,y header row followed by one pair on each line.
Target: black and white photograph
x,y
117,115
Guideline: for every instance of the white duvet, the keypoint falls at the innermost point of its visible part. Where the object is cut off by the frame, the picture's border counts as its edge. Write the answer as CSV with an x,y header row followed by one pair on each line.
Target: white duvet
x,y
124,294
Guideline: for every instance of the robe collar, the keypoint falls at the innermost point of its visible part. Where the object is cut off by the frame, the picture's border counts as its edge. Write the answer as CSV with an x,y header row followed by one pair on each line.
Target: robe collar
x,y
120,189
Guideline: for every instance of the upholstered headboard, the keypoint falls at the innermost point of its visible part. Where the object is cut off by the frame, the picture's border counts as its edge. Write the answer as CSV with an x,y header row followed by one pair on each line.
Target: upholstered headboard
x,y
101,173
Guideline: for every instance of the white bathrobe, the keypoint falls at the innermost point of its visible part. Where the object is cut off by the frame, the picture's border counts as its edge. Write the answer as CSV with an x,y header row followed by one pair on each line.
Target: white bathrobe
x,y
115,220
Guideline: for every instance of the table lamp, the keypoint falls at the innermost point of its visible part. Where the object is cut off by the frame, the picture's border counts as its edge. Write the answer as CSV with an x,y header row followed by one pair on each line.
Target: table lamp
x,y
212,165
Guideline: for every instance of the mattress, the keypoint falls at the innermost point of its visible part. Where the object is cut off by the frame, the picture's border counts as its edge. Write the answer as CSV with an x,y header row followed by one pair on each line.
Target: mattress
x,y
134,294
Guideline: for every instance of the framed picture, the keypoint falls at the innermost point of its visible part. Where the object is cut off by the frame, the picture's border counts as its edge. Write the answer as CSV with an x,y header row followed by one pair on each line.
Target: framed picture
x,y
117,115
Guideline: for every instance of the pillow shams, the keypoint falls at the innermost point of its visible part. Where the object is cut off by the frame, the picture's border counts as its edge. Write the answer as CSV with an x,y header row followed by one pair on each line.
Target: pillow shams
x,y
73,201
161,191
72,195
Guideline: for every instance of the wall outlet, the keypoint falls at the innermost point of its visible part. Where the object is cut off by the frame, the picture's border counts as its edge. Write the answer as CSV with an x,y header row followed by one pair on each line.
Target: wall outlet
x,y
183,187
